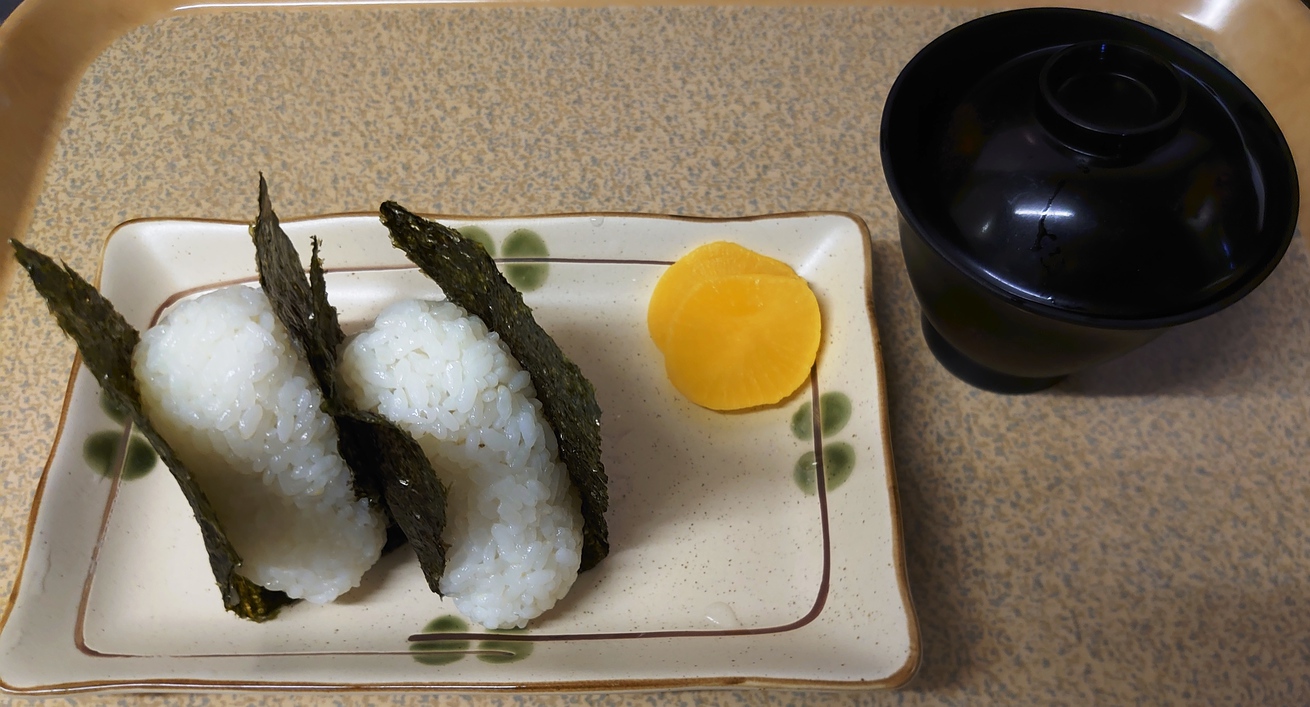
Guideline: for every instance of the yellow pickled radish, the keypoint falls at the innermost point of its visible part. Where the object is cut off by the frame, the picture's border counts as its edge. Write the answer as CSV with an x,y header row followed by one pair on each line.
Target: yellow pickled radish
x,y
706,262
741,341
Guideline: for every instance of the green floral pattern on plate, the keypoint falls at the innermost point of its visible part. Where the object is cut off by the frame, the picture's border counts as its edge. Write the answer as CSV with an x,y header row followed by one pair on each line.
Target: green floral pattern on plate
x,y
834,413
481,237
441,652
520,243
523,243
446,652
838,457
101,449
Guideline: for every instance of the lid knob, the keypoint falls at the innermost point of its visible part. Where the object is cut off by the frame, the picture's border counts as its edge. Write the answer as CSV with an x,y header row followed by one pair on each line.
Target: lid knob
x,y
1109,100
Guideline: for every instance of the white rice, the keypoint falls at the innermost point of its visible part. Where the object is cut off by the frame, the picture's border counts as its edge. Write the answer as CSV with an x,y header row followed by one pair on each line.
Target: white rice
x,y
221,380
514,521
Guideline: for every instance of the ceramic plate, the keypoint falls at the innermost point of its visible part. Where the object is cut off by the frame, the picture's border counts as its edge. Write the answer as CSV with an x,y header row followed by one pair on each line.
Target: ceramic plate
x,y
757,548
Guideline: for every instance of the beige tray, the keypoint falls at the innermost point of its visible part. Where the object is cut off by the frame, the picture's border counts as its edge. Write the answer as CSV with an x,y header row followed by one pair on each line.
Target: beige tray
x,y
1135,534
733,562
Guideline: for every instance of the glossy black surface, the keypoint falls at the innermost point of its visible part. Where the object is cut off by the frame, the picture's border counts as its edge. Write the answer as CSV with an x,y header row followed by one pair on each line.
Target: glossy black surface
x,y
1013,350
1141,217
1067,177
975,373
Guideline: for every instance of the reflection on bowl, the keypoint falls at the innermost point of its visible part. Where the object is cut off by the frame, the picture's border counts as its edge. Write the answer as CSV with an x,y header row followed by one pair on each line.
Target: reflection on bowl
x,y
1070,185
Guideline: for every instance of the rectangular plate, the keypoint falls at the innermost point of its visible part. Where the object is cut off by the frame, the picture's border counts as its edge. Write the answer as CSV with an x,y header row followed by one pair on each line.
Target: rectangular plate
x,y
730,566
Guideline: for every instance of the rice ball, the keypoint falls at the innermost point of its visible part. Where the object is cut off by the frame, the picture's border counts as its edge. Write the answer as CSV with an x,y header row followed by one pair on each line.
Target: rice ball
x,y
514,521
226,388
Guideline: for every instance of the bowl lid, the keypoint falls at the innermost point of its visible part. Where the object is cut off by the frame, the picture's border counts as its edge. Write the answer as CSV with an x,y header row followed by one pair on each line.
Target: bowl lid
x,y
1089,167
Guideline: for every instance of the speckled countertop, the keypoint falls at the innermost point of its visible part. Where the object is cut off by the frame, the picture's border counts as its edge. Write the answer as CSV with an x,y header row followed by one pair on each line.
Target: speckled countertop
x,y
1136,535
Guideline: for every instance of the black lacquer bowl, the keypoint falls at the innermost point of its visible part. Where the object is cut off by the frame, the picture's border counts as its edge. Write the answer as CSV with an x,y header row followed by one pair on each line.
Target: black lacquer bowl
x,y
1073,183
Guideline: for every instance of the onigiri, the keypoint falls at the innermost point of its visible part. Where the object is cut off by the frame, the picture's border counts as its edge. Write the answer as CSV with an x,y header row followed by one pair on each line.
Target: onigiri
x,y
514,522
224,386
